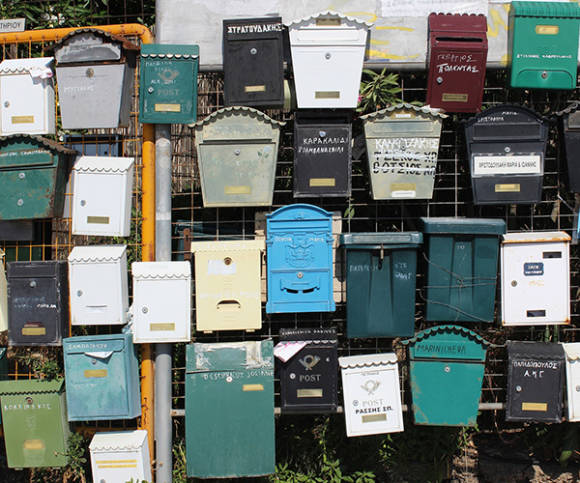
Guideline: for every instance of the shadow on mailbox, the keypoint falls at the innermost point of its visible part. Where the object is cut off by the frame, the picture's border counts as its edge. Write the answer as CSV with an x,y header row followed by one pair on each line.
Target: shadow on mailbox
x,y
569,131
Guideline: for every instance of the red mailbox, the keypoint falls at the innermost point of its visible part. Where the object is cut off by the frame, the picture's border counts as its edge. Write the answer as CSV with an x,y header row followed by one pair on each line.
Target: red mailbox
x,y
457,57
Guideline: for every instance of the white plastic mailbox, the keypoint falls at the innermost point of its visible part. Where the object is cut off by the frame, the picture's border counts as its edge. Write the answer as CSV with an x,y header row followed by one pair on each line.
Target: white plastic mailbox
x,y
572,351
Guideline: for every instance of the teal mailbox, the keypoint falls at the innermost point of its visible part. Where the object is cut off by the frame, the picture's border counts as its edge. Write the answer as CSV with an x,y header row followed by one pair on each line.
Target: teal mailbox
x,y
446,373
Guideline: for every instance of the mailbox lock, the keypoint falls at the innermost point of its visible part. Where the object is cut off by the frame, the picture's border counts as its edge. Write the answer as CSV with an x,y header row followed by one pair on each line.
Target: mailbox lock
x,y
253,51
79,293
292,375
29,400
439,80
237,152
90,72
577,388
322,134
144,310
514,283
507,149
20,202
327,55
544,75
22,175
227,261
300,275
83,202
518,388
93,361
150,90
229,379
33,283
447,369
7,104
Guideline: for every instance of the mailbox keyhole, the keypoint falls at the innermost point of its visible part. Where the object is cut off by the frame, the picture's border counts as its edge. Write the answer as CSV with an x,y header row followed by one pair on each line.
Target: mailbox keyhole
x,y
33,283
227,261
577,388
83,202
300,275
29,400
7,104
253,51
79,293
544,75
20,202
93,361
447,369
518,388
322,134
439,80
514,283
144,310
90,72
22,175
328,55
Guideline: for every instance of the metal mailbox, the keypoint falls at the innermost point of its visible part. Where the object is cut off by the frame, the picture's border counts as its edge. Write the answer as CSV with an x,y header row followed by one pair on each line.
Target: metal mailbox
x,y
102,377
168,84
535,278
506,147
535,381
3,295
228,285
18,230
98,285
462,260
309,379
446,374
37,303
237,151
569,131
543,44
229,399
457,54
253,62
95,72
27,96
34,421
299,260
572,352
328,50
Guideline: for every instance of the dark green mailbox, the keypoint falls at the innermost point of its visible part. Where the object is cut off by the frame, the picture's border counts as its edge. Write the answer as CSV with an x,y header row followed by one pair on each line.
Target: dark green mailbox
x,y
381,274
446,373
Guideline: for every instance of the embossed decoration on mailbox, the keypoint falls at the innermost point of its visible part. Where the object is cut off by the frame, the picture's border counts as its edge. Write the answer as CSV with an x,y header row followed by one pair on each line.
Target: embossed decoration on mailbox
x,y
506,147
572,352
34,421
457,55
535,278
95,73
102,377
33,174
237,150
446,374
168,84
3,295
229,399
253,62
27,96
37,303
543,44
535,381
569,131
328,50
299,259
462,263
228,285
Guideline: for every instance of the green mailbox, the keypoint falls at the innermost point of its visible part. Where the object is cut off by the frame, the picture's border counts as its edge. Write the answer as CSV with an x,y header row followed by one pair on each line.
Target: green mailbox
x,y
168,87
543,44
381,274
229,409
35,426
462,259
446,373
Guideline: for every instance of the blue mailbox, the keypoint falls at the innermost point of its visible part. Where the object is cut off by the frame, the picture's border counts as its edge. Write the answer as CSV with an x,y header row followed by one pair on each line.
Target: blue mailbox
x,y
299,254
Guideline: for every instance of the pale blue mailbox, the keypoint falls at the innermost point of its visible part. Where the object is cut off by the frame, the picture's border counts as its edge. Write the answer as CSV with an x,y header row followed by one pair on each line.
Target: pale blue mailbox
x,y
102,377
299,254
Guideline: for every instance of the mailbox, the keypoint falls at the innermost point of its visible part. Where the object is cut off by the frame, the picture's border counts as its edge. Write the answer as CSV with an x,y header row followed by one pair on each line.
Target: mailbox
x,y
95,73
34,420
27,96
308,380
457,54
33,174
543,44
462,260
98,285
103,190
446,374
569,131
328,50
229,399
37,303
322,155
506,147
572,352
535,382
253,62
3,295
118,456
228,287
102,377
299,260
535,278
168,84
161,301
237,149
18,230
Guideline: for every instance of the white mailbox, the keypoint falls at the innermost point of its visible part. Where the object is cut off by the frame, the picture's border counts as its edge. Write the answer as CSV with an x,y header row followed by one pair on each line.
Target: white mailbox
x,y
535,278
372,395
98,285
3,296
120,456
572,351
102,196
161,302
27,96
328,50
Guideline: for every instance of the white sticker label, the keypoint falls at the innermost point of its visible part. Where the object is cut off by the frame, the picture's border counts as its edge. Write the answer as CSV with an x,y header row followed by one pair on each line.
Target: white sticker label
x,y
404,194
486,165
220,267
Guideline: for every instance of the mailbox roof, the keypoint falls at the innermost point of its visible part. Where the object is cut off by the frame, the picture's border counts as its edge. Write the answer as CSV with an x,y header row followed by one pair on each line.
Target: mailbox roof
x,y
299,211
572,350
39,141
429,111
372,240
537,237
329,13
127,45
103,164
535,350
31,386
161,270
228,245
15,66
368,360
99,253
458,22
526,111
439,329
118,440
169,51
545,9
236,110
467,226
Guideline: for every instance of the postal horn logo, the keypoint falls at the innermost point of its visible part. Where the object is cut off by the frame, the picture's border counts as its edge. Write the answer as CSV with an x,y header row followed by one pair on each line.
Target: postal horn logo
x,y
167,75
309,361
371,386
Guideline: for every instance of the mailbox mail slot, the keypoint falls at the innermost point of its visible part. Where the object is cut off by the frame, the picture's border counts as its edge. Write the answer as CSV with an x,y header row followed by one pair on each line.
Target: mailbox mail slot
x,y
572,351
535,382
3,295
299,259
506,146
569,130
253,62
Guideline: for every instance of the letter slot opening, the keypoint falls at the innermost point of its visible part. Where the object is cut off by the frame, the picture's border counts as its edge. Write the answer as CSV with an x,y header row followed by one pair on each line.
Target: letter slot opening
x,y
229,305
552,255
535,313
459,39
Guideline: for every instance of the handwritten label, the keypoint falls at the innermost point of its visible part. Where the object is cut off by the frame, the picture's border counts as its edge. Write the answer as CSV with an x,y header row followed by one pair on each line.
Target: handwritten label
x,y
320,142
492,165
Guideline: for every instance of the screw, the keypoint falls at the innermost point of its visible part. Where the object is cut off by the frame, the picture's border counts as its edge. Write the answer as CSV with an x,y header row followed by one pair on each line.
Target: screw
x,y
439,80
150,90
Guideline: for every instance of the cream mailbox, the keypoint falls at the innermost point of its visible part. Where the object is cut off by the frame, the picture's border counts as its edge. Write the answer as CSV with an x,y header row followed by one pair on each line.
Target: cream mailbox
x,y
572,352
27,96
328,50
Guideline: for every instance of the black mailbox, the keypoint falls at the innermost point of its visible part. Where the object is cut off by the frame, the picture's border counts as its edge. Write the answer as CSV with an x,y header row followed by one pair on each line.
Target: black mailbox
x,y
17,230
37,302
569,129
535,381
506,146
253,62
308,380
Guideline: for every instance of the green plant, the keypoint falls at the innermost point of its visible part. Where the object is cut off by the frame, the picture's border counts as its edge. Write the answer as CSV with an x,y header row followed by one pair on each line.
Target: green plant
x,y
378,90
179,473
77,457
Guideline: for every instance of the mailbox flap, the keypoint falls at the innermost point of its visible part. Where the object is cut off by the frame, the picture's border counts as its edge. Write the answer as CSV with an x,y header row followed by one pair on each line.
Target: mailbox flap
x,y
170,51
312,336
103,164
545,9
31,386
230,356
388,240
118,441
469,24
34,269
99,347
463,226
547,351
299,212
38,67
161,270
253,28
368,360
328,28
96,254
507,121
227,246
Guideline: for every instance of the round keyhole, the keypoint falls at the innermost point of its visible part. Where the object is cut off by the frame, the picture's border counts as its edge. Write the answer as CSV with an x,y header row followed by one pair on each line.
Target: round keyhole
x,y
144,310
7,104
514,283
253,51
22,175
292,376
83,202
20,202
29,400
328,55
300,275
439,80
507,149
447,369
227,261
90,72
93,361
150,90
33,283
237,152
518,388
79,293
544,75
322,134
